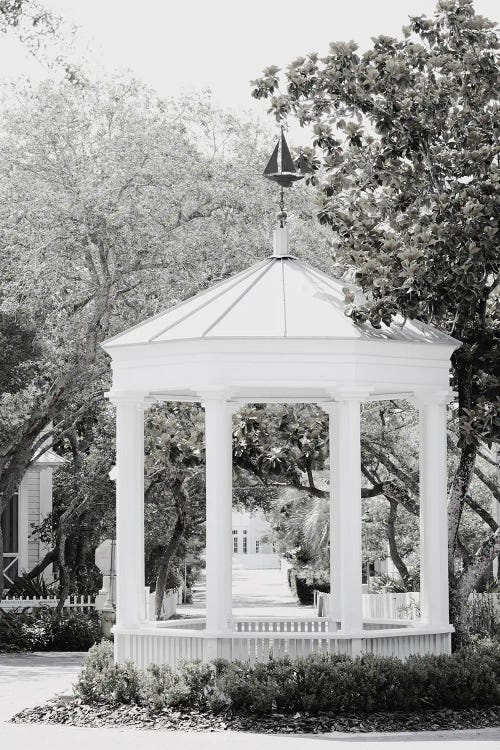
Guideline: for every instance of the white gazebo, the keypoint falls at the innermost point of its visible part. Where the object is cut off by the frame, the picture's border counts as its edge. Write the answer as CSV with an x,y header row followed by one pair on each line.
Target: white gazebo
x,y
278,332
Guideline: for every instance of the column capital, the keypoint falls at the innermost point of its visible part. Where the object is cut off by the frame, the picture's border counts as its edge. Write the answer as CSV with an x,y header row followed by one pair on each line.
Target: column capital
x,y
428,396
348,393
221,395
128,397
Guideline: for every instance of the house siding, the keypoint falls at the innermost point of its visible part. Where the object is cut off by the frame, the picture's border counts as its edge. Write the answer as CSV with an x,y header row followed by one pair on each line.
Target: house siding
x,y
33,500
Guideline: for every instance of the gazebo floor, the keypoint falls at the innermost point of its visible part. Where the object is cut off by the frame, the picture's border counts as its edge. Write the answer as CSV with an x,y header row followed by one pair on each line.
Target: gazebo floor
x,y
256,639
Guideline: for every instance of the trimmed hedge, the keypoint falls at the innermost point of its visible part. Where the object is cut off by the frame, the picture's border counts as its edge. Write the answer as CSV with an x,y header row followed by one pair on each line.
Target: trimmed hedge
x,y
333,684
45,629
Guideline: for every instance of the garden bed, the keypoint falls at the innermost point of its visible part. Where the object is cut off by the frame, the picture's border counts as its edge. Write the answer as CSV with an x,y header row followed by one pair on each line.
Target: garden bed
x,y
77,713
316,694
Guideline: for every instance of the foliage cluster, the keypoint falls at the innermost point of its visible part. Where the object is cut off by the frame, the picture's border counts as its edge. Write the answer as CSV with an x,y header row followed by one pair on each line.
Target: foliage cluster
x,y
334,684
482,617
46,629
405,161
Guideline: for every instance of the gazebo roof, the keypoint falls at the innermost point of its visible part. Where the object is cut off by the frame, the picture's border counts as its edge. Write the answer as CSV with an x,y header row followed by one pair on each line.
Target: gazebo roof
x,y
277,330
280,297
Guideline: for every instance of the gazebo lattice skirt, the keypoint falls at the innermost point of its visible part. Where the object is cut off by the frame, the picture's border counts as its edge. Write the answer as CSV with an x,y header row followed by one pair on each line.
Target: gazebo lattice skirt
x,y
259,639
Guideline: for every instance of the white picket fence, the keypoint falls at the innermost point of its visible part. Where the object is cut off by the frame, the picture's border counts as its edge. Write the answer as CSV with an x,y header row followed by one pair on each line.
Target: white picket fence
x,y
80,603
405,606
401,606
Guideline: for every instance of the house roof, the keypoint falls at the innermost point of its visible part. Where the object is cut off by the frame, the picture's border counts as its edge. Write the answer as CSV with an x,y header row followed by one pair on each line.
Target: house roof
x,y
280,297
49,459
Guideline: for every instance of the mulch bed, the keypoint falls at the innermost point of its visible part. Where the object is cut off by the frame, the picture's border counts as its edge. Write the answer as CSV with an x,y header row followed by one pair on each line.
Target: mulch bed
x,y
76,713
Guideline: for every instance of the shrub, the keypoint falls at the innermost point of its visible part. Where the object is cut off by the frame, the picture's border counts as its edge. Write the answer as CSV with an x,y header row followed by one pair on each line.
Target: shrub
x,y
103,681
158,680
304,580
319,683
482,616
45,629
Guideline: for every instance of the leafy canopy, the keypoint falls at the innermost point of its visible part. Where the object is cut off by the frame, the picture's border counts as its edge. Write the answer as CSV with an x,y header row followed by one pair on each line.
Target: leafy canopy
x,y
406,143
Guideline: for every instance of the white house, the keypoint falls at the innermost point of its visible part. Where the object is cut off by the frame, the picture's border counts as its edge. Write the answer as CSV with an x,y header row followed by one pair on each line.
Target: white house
x,y
27,509
251,545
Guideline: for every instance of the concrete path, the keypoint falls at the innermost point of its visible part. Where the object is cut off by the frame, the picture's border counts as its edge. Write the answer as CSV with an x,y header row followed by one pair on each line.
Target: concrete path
x,y
28,679
255,592
31,679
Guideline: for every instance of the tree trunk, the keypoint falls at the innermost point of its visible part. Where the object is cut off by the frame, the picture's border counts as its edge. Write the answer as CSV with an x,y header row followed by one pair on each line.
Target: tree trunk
x,y
391,536
166,559
64,576
456,497
49,558
1,559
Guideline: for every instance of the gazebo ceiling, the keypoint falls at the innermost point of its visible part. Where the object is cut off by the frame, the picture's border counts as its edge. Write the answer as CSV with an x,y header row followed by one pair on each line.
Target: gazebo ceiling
x,y
278,298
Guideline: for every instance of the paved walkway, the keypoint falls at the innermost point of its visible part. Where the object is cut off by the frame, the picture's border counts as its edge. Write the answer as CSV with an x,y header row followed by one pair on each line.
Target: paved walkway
x,y
31,679
255,592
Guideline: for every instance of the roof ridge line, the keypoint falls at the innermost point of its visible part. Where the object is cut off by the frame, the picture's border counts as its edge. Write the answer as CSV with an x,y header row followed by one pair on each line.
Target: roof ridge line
x,y
283,289
311,279
242,276
235,302
327,280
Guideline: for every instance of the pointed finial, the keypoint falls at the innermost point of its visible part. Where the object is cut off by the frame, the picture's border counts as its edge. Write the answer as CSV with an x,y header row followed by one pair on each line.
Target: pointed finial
x,y
281,169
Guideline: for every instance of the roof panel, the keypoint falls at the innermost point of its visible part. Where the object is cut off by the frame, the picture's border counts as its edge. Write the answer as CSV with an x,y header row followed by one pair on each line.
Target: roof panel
x,y
259,312
197,319
312,305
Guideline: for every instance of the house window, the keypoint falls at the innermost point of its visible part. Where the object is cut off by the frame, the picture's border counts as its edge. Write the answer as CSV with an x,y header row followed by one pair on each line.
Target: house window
x,y
235,541
245,542
257,546
10,528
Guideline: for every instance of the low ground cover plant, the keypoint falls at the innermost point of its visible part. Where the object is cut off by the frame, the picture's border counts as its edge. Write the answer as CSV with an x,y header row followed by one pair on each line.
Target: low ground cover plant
x,y
45,629
316,684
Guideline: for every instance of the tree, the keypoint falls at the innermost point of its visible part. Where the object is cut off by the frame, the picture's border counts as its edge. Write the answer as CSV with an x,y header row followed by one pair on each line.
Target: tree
x,y
97,184
175,489
114,205
43,34
408,182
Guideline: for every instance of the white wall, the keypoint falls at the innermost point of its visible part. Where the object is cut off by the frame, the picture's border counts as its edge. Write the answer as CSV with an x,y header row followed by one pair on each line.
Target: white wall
x,y
35,502
33,515
257,528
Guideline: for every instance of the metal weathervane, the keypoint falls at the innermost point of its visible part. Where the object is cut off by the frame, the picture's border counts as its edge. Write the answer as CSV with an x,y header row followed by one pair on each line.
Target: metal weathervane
x,y
281,169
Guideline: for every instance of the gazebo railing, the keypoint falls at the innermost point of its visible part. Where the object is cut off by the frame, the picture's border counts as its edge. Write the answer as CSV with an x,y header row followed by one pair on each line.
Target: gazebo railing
x,y
284,625
281,624
168,645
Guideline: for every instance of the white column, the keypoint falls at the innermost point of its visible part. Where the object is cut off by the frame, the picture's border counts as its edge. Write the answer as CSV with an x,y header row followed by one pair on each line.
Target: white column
x,y
129,511
433,509
345,541
219,488
335,577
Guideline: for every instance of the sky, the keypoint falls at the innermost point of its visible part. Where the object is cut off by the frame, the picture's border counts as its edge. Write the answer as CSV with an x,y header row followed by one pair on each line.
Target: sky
x,y
193,45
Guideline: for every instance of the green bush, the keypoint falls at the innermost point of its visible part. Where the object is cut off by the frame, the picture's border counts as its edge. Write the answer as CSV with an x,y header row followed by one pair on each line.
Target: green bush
x,y
102,681
157,683
45,629
335,684
482,617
